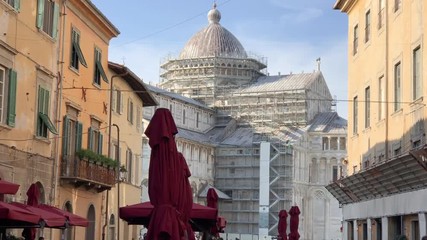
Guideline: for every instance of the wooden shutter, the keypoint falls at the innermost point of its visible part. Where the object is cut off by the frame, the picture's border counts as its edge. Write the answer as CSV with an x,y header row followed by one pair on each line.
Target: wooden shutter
x,y
100,138
113,100
40,13
79,135
121,102
89,140
11,108
17,5
65,139
55,21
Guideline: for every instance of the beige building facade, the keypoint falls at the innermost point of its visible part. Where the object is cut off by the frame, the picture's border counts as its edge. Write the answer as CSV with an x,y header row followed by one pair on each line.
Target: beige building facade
x,y
386,137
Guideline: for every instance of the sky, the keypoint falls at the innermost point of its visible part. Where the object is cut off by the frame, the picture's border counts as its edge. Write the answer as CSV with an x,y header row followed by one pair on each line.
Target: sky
x,y
290,34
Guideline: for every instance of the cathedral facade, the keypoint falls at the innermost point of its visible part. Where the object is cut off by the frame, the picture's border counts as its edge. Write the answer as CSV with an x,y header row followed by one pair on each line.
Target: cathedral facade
x,y
265,142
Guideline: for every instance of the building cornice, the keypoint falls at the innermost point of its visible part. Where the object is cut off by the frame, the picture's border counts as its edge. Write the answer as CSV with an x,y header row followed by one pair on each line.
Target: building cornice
x,y
344,5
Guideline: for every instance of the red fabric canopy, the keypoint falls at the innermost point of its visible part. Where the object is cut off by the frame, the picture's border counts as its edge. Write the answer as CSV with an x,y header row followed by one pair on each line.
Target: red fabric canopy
x,y
11,215
8,187
73,219
185,200
282,225
165,176
140,214
293,223
51,219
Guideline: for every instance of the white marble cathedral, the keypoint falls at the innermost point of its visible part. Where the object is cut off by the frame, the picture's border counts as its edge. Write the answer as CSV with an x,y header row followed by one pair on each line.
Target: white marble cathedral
x,y
226,107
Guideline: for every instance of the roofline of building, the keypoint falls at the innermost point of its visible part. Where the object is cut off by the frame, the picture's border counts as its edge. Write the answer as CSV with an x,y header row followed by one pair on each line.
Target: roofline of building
x,y
135,83
344,5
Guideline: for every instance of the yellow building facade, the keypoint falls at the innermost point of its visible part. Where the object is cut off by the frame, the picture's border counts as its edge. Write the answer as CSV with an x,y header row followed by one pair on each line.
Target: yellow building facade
x,y
128,98
381,198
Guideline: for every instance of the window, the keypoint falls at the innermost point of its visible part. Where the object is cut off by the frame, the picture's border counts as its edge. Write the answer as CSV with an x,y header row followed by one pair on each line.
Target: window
x,y
130,110
95,137
416,73
197,120
112,228
8,82
325,143
397,5
129,164
355,115
367,26
47,17
99,70
43,121
333,143
367,107
138,117
72,134
397,87
381,98
342,143
381,13
355,39
334,173
117,103
183,116
13,3
76,52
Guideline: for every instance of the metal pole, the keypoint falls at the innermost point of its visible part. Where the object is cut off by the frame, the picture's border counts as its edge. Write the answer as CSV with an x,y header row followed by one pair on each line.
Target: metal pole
x,y
118,183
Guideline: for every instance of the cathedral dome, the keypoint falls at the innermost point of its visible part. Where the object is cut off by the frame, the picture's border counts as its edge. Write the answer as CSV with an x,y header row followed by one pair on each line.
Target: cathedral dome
x,y
213,41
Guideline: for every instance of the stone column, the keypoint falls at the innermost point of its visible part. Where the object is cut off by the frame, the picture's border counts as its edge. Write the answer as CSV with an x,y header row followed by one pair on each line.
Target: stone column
x,y
355,230
384,227
369,226
422,224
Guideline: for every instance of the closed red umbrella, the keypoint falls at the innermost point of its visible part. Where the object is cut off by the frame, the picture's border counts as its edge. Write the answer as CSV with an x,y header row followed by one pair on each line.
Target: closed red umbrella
x,y
185,201
293,223
212,201
282,225
165,175
33,195
8,187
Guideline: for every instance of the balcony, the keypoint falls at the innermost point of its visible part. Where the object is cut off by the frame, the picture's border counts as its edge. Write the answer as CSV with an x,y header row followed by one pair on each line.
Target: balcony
x,y
87,173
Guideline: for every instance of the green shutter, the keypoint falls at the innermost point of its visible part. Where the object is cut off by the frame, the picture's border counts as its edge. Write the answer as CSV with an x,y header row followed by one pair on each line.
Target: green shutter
x,y
45,121
65,136
100,137
101,71
89,140
11,108
17,5
46,102
40,13
80,53
79,130
55,20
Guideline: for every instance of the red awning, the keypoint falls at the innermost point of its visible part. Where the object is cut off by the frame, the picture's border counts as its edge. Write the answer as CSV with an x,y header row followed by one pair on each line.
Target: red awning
x,y
73,219
15,216
8,187
51,219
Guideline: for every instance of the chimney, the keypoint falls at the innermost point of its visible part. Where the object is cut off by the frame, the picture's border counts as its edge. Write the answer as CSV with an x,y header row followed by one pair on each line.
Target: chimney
x,y
318,64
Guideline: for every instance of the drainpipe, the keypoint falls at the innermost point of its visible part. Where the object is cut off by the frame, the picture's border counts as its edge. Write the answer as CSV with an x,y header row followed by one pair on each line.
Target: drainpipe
x,y
386,147
53,195
109,151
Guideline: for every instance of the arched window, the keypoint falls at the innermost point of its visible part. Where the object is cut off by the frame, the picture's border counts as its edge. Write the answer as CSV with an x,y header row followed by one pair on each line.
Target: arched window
x,y
90,230
68,233
112,228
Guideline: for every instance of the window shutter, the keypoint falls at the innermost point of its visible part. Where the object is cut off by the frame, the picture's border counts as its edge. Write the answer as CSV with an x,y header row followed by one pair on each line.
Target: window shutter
x,y
121,103
113,100
89,140
55,21
101,71
17,5
40,13
65,136
46,102
79,131
11,108
100,138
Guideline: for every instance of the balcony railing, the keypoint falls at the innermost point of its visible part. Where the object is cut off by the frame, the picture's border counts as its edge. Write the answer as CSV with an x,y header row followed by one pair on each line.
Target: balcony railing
x,y
81,172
